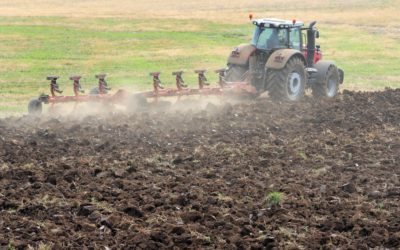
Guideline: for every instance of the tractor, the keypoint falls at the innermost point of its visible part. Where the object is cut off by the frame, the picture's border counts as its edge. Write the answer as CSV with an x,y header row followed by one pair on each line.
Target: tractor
x,y
284,60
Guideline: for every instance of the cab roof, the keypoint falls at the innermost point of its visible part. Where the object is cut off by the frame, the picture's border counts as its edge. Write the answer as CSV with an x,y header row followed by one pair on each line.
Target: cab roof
x,y
277,23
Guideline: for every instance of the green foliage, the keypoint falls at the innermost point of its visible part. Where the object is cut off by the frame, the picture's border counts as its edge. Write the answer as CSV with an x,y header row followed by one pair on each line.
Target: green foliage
x,y
274,199
10,246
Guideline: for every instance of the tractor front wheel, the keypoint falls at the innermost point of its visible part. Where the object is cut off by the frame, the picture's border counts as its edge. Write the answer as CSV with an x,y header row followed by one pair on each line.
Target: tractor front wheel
x,y
328,86
35,107
288,83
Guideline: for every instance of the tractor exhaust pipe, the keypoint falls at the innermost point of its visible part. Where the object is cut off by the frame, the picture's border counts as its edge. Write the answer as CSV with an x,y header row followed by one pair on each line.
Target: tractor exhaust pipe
x,y
311,44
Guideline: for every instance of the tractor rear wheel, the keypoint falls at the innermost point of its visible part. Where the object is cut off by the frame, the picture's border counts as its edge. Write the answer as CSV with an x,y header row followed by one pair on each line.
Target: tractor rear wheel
x,y
235,73
35,107
329,85
288,83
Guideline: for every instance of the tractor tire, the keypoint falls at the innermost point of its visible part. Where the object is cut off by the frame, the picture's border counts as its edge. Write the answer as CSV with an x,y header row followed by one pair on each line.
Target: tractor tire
x,y
235,73
288,83
95,91
328,84
35,107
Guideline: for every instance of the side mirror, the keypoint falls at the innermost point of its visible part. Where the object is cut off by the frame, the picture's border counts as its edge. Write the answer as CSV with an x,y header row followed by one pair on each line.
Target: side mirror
x,y
316,34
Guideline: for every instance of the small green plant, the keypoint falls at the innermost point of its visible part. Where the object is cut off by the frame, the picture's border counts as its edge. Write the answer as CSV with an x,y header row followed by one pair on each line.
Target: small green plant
x,y
274,199
303,155
10,246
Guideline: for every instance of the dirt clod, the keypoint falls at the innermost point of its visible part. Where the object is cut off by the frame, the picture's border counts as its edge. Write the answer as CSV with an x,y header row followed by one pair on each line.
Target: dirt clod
x,y
133,211
349,188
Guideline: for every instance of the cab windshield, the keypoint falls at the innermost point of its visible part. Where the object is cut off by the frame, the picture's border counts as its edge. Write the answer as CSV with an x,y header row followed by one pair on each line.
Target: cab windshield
x,y
269,38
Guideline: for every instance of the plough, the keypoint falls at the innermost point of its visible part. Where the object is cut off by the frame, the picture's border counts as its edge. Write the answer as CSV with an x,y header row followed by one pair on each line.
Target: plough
x,y
140,100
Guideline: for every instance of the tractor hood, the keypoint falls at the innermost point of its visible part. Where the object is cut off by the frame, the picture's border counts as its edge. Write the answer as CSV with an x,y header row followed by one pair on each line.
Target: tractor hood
x,y
240,55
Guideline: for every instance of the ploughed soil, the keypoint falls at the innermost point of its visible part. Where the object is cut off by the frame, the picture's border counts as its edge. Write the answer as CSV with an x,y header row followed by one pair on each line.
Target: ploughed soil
x,y
173,179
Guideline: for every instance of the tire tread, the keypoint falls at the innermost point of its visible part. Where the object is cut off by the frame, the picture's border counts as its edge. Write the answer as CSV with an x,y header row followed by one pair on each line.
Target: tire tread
x,y
277,79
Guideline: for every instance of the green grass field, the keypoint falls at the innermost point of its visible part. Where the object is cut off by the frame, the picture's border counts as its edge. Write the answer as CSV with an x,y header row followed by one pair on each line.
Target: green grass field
x,y
129,48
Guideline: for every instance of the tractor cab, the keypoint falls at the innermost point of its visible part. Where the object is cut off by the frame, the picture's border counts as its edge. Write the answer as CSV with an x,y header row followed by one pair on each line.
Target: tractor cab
x,y
272,34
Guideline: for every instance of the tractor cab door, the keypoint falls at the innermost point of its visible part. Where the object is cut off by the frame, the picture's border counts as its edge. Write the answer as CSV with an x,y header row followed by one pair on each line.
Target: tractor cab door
x,y
295,38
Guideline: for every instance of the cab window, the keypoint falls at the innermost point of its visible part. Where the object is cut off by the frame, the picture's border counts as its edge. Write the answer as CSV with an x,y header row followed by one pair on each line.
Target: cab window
x,y
270,38
295,42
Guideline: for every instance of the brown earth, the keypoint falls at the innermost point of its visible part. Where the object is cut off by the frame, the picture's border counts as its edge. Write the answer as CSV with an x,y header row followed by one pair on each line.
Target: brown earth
x,y
199,180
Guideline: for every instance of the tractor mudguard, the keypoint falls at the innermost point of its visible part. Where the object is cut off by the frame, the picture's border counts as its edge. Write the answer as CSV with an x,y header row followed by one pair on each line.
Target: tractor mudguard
x,y
240,55
322,67
279,58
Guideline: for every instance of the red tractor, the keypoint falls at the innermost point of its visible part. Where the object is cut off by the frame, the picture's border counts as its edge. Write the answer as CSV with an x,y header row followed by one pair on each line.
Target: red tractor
x,y
283,59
